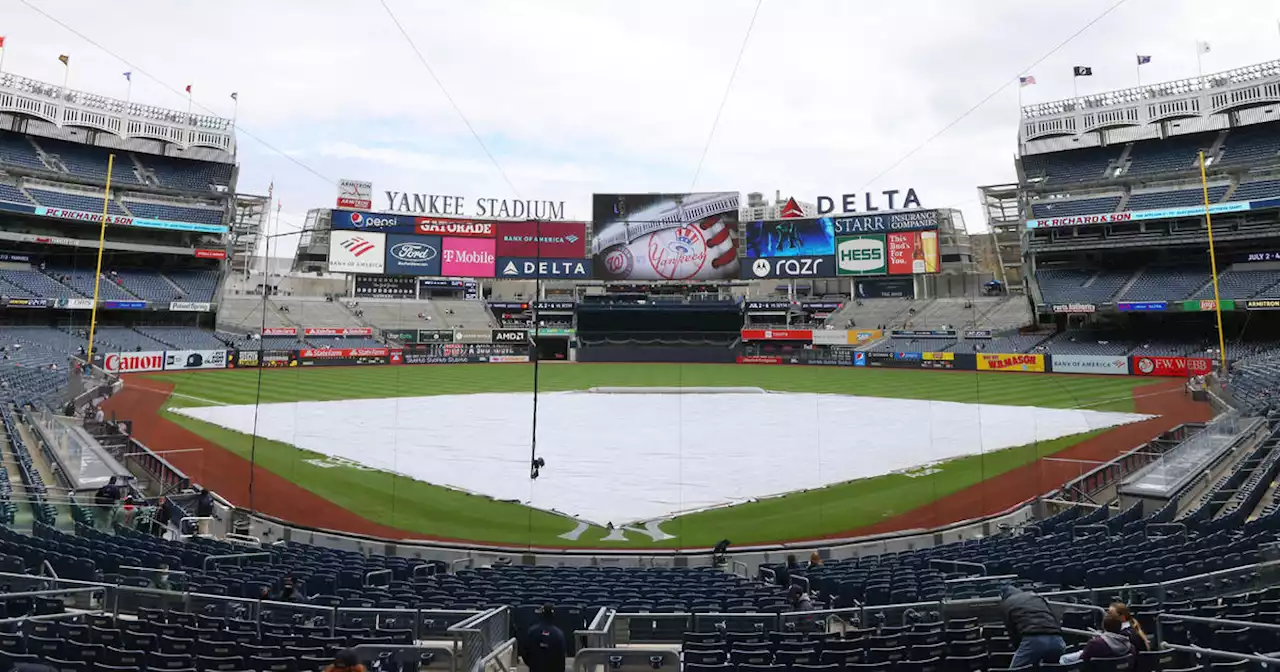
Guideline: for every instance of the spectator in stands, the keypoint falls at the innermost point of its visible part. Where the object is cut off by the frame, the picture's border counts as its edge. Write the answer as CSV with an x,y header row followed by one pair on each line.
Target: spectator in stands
x,y
287,590
1034,630
204,509
346,660
1130,627
799,599
160,520
1111,643
107,497
544,648
783,574
815,559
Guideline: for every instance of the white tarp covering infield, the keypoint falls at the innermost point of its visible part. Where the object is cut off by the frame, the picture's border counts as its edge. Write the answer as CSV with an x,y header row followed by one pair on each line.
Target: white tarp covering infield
x,y
624,458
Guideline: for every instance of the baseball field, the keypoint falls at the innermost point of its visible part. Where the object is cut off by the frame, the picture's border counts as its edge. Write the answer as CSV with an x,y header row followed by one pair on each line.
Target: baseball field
x,y
427,471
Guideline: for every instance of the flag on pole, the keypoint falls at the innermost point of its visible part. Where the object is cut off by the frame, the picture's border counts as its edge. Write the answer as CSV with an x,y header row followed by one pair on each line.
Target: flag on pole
x,y
1143,60
188,88
1082,71
235,96
128,76
66,60
1,41
1029,80
1202,47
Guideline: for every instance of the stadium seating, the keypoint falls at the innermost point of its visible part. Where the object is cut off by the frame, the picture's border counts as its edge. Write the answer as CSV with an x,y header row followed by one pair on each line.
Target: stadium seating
x,y
1236,284
124,339
182,338
1246,191
1073,166
195,285
174,213
74,201
186,174
1176,154
12,194
17,150
1247,144
1165,284
1083,342
1155,200
88,162
1074,285
82,280
1072,208
37,284
314,312
149,286
343,342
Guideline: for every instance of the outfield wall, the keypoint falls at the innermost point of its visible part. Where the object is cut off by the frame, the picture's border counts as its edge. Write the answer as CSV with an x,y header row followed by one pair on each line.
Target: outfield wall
x,y
502,353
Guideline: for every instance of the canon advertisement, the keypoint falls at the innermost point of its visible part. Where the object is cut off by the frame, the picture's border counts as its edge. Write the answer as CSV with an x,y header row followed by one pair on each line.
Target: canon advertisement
x,y
130,362
665,236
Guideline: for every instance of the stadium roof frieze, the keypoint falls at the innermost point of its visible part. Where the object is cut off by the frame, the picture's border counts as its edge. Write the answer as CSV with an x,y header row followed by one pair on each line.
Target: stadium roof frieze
x,y
32,98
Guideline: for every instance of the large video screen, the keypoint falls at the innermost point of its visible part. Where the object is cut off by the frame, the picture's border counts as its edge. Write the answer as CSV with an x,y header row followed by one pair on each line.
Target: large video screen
x,y
665,236
790,237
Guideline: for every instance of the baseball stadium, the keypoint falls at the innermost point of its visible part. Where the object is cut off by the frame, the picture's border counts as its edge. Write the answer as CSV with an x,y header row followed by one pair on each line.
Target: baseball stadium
x,y
701,430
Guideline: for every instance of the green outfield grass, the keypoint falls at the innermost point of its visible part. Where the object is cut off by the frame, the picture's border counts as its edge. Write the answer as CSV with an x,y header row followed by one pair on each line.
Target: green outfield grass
x,y
439,511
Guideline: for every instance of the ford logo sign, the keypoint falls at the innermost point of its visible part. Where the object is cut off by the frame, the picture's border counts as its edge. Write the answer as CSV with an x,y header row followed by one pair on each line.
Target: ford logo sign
x,y
413,252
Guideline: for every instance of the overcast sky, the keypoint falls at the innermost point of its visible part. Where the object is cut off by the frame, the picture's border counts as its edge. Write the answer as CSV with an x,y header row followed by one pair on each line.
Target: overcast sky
x,y
580,96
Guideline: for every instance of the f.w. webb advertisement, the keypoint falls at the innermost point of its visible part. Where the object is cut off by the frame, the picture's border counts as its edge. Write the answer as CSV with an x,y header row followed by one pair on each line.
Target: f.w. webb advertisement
x,y
665,236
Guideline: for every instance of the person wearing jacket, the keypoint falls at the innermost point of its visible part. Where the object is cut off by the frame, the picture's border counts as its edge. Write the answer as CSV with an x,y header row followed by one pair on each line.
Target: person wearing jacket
x,y
1034,630
1111,643
1131,627
544,648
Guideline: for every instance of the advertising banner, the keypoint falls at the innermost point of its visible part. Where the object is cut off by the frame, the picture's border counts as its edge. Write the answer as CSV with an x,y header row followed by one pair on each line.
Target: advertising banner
x,y
412,255
458,228
278,359
885,288
788,267
1074,308
665,236
12,302
1135,306
186,306
510,336
923,333
542,240
357,252
210,254
978,333
125,305
861,255
558,332
790,238
280,331
130,362
777,335
472,335
355,194
912,253
125,220
1262,304
243,359
907,220
464,353
468,257
1110,365
81,304
758,359
1207,305
1011,362
901,360
524,267
1140,215
183,360
1180,367
508,359
343,356
385,287
373,222
844,337
338,331
768,306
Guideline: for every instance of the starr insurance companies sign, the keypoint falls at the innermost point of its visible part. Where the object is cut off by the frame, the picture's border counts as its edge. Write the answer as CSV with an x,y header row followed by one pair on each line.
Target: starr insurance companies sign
x,y
358,195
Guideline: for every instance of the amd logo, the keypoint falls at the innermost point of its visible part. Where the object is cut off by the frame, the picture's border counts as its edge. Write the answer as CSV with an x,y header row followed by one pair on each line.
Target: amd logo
x,y
510,336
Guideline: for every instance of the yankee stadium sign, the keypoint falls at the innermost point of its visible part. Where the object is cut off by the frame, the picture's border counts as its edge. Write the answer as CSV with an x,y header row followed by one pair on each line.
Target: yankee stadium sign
x,y
456,206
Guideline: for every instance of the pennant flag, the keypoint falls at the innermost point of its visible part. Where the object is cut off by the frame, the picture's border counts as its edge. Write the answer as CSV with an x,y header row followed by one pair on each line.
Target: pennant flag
x,y
1082,71
188,88
235,96
1202,47
1026,81
1,41
128,76
1143,60
66,60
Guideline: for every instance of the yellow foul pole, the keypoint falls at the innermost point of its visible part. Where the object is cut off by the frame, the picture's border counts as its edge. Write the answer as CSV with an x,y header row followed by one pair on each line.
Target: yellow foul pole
x,y
1213,267
102,240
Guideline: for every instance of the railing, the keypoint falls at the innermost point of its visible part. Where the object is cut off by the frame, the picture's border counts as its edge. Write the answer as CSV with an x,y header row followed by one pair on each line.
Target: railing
x,y
504,658
234,556
599,633
478,636
589,660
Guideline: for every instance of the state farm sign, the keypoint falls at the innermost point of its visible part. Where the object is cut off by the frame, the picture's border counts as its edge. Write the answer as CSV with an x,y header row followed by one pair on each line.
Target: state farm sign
x,y
131,362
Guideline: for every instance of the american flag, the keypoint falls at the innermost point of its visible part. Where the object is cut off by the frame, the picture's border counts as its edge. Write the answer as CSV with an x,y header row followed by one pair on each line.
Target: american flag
x,y
1026,81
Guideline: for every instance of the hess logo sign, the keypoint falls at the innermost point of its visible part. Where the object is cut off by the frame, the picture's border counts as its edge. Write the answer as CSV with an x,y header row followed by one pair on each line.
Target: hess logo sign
x,y
861,255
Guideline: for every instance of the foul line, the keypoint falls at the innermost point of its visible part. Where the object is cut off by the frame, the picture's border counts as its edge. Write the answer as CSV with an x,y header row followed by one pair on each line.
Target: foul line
x,y
178,394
